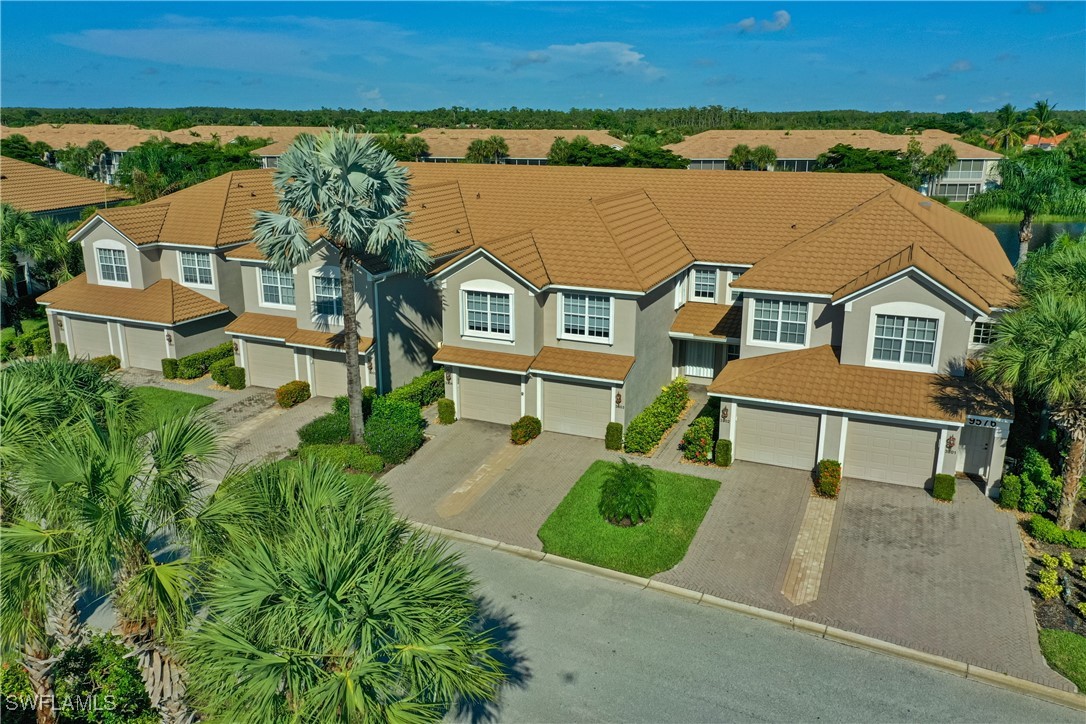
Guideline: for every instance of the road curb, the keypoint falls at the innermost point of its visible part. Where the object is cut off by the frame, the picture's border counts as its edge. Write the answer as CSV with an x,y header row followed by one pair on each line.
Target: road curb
x,y
958,668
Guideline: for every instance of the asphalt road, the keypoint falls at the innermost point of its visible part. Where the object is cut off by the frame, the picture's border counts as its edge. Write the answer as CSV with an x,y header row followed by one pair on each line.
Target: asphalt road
x,y
586,649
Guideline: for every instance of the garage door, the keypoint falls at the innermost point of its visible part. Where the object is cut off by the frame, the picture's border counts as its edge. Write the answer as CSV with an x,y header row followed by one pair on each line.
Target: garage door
x,y
330,373
90,339
489,396
268,365
788,439
889,454
146,347
576,409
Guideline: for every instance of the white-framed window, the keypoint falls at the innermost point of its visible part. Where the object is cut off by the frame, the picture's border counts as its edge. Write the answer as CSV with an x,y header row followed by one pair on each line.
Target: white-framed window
x,y
982,333
112,266
587,317
736,294
195,268
488,314
276,288
780,322
705,284
327,293
906,340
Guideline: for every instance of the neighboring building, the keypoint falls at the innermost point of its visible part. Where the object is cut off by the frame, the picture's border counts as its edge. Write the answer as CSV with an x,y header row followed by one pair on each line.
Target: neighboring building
x,y
527,147
118,137
1046,143
797,151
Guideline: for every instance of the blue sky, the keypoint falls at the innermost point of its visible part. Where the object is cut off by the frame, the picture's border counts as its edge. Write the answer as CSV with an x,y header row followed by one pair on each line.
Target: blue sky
x,y
763,56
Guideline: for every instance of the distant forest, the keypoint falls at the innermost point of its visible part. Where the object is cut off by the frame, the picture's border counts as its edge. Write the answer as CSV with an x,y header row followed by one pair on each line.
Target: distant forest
x,y
623,121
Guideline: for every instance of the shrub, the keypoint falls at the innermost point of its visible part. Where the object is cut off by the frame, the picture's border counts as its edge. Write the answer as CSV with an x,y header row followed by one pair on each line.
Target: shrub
x,y
197,364
722,455
106,363
525,429
446,411
102,668
23,345
1046,531
330,429
426,389
1010,491
627,494
42,346
647,429
1049,591
697,442
1040,490
292,393
1049,576
340,404
218,370
1050,561
612,439
828,478
169,368
1067,561
61,350
235,378
353,458
944,487
394,430
1081,606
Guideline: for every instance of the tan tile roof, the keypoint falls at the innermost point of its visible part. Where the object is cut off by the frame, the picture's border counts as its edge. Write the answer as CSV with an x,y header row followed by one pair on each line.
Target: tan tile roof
x,y
815,377
164,302
263,325
248,252
522,143
1034,140
334,340
702,319
809,144
600,365
226,134
450,355
33,188
118,137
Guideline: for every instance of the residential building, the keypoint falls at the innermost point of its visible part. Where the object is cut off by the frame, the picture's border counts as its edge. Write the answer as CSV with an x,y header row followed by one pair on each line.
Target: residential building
x,y
1046,143
798,150
118,137
527,147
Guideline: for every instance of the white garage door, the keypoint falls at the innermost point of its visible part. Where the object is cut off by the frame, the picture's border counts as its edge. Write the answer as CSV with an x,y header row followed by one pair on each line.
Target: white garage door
x,y
576,409
489,396
889,454
788,439
330,373
89,339
268,365
146,347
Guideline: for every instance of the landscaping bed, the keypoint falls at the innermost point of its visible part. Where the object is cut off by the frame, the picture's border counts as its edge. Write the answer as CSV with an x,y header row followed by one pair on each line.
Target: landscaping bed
x,y
577,530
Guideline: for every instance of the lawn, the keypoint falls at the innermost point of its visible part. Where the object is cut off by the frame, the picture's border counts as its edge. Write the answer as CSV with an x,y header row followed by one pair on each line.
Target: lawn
x,y
576,529
7,334
170,402
1066,653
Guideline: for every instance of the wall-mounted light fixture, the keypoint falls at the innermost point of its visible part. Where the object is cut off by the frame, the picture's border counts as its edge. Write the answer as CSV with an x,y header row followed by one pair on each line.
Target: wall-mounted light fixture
x,y
448,377
724,412
950,443
618,398
369,364
235,346
169,338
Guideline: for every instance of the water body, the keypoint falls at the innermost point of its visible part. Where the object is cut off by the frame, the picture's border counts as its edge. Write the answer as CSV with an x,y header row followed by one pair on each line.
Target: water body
x,y
1042,234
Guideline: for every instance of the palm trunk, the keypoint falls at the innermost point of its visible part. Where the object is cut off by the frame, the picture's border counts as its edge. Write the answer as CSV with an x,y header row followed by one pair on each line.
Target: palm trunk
x,y
350,346
1072,474
1025,236
39,662
64,620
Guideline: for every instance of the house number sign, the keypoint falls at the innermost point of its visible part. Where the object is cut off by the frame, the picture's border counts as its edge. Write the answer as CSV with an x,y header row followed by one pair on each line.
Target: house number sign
x,y
981,422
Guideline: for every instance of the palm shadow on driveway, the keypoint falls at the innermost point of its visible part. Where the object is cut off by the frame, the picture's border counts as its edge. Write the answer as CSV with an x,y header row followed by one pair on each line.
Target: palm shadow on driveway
x,y
503,630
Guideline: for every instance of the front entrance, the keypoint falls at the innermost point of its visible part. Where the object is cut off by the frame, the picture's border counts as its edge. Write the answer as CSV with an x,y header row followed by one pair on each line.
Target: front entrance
x,y
700,359
976,445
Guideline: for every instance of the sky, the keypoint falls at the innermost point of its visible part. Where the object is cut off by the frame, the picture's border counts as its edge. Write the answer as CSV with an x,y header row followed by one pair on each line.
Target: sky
x,y
771,56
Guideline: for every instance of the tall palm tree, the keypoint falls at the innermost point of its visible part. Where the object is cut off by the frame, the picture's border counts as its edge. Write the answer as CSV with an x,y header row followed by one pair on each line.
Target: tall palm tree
x,y
1009,130
1035,183
330,609
496,148
345,189
1042,121
763,157
1040,349
739,157
935,164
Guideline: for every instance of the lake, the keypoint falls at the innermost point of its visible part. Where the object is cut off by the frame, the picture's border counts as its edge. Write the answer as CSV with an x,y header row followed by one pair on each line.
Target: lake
x,y
1042,234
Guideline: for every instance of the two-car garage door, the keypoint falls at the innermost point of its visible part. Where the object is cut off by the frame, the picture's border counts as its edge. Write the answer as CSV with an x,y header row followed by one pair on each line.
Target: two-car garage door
x,y
773,437
890,454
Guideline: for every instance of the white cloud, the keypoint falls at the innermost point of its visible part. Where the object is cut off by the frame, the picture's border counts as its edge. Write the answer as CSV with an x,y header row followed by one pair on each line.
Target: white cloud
x,y
940,98
781,20
587,58
958,66
372,97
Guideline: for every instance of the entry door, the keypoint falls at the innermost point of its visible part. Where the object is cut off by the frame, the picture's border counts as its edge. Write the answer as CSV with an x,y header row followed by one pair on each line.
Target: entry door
x,y
977,442
699,359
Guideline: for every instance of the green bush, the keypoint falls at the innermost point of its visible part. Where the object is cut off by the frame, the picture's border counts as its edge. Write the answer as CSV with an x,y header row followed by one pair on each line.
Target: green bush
x,y
1046,531
340,405
23,345
1040,490
218,370
169,368
828,478
722,455
525,429
102,668
446,411
1010,491
235,378
944,487
426,389
330,429
352,458
61,350
106,363
292,393
647,429
42,346
612,439
627,494
197,364
15,687
394,430
697,442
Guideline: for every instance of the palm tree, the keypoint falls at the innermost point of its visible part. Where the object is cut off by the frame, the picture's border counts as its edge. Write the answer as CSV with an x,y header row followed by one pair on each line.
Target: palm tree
x,y
1009,130
739,157
416,147
1042,121
1039,349
1036,183
496,148
935,164
343,188
330,609
763,157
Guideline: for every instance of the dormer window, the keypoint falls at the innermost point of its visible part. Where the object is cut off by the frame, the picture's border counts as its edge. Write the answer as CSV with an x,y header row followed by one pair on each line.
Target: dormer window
x,y
705,284
907,340
196,268
112,265
736,295
983,333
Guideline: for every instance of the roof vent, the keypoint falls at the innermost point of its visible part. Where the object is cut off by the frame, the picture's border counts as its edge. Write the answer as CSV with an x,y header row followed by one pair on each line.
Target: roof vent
x,y
793,226
478,195
458,231
253,194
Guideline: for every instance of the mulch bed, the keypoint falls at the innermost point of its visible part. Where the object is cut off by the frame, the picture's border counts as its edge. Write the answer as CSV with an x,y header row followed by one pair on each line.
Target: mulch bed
x,y
1056,613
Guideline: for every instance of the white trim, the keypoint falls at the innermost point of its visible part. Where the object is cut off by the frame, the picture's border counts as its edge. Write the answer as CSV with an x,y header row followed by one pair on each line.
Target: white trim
x,y
112,245
255,336
882,283
109,334
122,340
819,408
85,229
776,293
940,451
325,272
632,294
907,310
523,394
310,368
470,257
699,338
181,269
693,277
488,287
166,341
487,369
456,389
141,321
242,355
808,322
68,340
325,349
614,392
297,372
260,289
539,397
560,329
681,291
821,452
548,373
841,443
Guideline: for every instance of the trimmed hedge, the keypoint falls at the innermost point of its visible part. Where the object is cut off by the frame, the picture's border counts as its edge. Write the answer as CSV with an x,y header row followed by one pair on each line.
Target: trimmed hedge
x,y
525,429
1046,531
697,442
106,363
218,370
330,429
42,346
828,478
647,429
169,368
394,430
446,411
341,406
426,389
61,350
352,458
197,364
235,378
1010,491
722,453
612,439
292,393
944,487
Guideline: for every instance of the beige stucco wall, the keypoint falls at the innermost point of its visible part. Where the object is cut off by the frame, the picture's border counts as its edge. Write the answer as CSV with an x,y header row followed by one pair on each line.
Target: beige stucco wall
x,y
103,232
410,327
527,310
625,312
250,286
225,275
199,335
325,256
654,314
823,325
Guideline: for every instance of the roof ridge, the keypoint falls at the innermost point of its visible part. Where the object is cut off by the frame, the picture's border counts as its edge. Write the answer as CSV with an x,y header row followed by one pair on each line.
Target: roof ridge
x,y
948,270
225,203
907,248
668,222
610,235
542,261
463,205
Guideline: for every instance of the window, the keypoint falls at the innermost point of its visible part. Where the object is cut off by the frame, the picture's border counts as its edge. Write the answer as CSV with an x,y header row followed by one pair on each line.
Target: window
x,y
783,322
277,287
705,284
488,314
328,296
112,266
910,340
196,268
587,316
736,295
733,352
982,333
